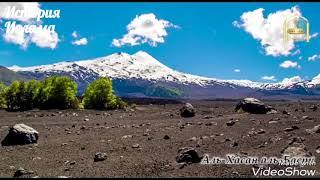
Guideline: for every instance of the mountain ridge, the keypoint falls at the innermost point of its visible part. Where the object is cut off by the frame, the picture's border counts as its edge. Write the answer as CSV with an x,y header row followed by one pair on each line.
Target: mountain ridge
x,y
141,66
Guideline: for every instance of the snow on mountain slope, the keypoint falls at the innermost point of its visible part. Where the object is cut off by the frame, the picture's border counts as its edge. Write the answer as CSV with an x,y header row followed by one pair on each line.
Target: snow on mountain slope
x,y
315,81
141,65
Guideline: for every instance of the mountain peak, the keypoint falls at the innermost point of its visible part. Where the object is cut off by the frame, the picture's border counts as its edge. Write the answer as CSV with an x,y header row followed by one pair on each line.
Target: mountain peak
x,y
142,65
142,53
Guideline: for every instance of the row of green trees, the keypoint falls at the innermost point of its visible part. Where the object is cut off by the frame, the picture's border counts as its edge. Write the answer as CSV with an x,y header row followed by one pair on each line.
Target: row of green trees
x,y
58,93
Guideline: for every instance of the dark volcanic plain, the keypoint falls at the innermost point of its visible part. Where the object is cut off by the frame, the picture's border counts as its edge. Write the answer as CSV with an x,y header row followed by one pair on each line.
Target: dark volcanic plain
x,y
69,139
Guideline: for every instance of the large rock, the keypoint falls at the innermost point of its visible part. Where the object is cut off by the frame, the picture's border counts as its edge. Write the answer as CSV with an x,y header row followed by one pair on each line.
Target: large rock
x,y
188,155
187,110
20,134
254,106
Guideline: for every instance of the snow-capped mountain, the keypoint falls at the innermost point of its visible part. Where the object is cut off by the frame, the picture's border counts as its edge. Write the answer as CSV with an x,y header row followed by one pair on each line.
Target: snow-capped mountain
x,y
148,71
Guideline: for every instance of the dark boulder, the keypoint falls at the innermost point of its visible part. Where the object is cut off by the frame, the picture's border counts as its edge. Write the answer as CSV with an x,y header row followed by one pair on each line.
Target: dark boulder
x,y
20,134
187,110
188,155
254,106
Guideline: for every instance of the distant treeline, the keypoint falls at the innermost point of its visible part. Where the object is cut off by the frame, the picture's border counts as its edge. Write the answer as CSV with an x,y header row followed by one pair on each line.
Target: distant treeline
x,y
58,93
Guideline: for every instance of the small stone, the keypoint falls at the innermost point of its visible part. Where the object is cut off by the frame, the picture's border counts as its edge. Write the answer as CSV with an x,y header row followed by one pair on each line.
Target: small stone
x,y
306,117
209,124
21,172
36,158
208,117
86,119
100,156
291,128
313,107
230,123
273,122
315,129
166,137
234,144
126,136
135,146
285,112
261,131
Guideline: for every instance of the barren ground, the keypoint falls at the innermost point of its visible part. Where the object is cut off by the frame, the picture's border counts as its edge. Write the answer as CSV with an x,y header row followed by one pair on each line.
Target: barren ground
x,y
67,143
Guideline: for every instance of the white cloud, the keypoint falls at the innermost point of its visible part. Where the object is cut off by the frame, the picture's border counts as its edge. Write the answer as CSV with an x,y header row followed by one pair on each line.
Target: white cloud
x,y
289,64
145,28
300,57
80,42
236,70
292,80
269,30
31,7
74,34
269,78
314,57
42,38
16,37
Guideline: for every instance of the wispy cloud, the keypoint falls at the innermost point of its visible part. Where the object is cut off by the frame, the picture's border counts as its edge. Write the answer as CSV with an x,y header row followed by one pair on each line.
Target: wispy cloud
x,y
269,78
80,42
314,57
289,64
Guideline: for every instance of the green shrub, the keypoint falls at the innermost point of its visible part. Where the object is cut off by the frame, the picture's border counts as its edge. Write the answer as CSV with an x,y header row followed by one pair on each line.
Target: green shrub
x,y
32,90
11,96
20,95
57,93
2,96
99,95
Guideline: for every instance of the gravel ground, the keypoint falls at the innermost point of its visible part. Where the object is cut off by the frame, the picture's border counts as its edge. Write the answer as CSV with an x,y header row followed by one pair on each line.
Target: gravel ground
x,y
134,142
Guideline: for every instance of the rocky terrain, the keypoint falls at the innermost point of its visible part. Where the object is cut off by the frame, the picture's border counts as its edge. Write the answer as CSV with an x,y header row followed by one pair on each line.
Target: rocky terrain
x,y
144,140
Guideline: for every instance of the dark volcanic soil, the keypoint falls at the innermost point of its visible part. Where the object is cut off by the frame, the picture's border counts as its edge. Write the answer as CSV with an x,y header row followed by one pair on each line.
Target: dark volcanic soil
x,y
67,143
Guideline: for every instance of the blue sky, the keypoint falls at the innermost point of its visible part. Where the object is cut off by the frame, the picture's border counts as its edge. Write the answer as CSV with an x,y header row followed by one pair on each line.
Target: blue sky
x,y
207,41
